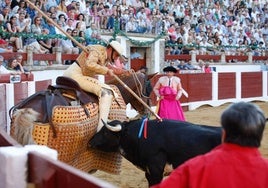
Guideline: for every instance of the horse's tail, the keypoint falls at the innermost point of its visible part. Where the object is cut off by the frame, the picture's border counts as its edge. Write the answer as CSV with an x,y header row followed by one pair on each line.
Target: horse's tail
x,y
23,123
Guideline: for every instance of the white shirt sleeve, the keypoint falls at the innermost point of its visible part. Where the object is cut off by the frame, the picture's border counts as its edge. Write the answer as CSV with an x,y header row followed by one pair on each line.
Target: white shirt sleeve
x,y
3,70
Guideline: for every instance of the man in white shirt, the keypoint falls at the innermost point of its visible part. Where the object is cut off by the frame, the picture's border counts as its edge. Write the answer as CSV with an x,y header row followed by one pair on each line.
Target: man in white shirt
x,y
3,69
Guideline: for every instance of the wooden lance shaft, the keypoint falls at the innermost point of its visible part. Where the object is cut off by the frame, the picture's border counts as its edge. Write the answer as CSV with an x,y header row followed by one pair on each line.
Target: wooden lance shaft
x,y
85,49
56,25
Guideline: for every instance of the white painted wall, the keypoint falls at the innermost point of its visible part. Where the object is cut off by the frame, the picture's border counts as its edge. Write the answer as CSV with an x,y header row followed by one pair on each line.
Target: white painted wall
x,y
237,68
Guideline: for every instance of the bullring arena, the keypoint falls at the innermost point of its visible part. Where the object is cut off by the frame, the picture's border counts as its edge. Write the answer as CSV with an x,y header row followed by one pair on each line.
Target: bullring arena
x,y
231,37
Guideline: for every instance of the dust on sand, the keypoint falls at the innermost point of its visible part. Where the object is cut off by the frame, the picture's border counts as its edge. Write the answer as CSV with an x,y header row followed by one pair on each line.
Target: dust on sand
x,y
132,177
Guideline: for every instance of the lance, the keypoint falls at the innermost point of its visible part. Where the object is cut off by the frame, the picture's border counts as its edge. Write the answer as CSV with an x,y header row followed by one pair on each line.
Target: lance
x,y
86,50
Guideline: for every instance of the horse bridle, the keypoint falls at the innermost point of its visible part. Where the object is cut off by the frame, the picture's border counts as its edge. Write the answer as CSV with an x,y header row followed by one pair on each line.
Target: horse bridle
x,y
138,84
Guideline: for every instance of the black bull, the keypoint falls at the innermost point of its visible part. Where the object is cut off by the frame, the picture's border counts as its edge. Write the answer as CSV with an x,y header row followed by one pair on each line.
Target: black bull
x,y
168,141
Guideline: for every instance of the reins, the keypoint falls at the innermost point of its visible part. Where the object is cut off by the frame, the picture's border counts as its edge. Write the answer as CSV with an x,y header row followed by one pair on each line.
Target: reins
x,y
138,84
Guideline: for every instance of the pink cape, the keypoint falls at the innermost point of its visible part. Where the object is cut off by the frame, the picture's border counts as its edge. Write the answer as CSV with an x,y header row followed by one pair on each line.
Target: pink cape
x,y
169,107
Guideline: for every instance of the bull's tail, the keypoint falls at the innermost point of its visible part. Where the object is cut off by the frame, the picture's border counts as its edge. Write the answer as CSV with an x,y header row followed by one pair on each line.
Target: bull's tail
x,y
23,123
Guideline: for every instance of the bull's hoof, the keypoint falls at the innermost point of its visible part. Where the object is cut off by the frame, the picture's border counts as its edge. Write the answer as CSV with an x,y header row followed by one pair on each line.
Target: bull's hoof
x,y
92,171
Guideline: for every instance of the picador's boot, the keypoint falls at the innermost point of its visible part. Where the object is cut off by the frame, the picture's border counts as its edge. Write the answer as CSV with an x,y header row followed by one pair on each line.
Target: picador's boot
x,y
104,107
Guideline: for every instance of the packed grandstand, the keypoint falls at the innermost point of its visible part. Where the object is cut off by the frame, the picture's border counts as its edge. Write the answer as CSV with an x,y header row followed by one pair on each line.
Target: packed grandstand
x,y
208,26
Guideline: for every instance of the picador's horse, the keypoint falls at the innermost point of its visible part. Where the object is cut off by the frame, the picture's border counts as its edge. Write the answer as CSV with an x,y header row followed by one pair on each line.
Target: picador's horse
x,y
65,118
139,82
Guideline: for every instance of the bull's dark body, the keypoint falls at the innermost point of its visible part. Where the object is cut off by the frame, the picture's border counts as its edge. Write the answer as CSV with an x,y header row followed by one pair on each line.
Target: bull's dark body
x,y
168,141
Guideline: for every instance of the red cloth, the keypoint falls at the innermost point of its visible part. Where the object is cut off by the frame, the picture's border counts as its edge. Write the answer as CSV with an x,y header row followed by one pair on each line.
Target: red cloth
x,y
2,41
227,166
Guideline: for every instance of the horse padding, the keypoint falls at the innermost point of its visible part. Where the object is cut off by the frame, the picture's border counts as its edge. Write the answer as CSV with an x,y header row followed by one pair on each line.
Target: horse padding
x,y
73,131
118,107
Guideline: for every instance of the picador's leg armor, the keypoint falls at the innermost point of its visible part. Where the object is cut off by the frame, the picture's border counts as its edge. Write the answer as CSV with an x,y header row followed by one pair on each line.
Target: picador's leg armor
x,y
104,106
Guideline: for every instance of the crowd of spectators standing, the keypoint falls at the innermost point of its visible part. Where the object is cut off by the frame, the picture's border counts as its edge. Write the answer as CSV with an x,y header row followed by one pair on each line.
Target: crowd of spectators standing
x,y
206,26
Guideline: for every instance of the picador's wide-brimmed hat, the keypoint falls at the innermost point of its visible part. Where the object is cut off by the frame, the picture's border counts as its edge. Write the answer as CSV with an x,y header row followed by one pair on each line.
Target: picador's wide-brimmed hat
x,y
170,69
118,48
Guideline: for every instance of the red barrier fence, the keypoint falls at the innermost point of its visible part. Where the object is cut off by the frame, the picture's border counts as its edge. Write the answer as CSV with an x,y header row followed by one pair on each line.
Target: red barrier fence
x,y
203,89
5,78
218,88
185,57
216,58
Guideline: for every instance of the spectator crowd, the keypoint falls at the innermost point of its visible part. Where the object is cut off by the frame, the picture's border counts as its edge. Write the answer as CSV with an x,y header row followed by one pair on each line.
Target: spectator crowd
x,y
207,26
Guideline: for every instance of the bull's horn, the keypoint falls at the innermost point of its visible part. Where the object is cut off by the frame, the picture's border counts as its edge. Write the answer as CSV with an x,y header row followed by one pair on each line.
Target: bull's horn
x,y
116,128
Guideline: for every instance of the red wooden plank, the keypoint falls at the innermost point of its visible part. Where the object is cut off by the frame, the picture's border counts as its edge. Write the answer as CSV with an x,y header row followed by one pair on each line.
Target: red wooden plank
x,y
251,84
69,56
13,54
236,57
48,173
260,57
5,78
20,91
6,140
226,85
199,87
208,57
42,85
44,57
185,57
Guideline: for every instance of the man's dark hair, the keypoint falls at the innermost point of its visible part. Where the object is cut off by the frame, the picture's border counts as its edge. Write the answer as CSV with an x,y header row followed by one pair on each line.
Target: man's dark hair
x,y
244,124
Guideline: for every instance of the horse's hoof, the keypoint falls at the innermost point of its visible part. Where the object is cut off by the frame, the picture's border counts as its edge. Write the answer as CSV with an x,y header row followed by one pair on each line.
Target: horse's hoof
x,y
92,171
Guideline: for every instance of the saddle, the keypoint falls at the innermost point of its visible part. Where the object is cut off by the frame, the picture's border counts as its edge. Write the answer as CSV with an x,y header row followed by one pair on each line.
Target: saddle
x,y
69,85
66,92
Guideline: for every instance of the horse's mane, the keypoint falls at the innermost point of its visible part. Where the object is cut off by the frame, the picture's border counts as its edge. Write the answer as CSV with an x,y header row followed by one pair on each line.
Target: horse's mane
x,y
136,82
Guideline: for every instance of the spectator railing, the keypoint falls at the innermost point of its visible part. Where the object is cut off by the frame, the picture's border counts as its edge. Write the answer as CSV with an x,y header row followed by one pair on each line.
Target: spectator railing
x,y
58,58
223,58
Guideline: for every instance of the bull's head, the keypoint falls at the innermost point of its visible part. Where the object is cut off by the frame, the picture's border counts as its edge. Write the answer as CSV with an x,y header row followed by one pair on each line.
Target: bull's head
x,y
108,138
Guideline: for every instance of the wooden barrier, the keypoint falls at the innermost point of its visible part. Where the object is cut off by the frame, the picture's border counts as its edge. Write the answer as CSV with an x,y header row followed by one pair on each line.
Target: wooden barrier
x,y
227,85
42,85
137,63
47,173
251,84
6,140
5,78
218,88
217,58
40,57
203,88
